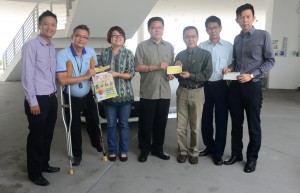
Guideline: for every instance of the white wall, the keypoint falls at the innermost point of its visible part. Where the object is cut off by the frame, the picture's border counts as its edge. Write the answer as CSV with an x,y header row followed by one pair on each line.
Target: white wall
x,y
285,23
179,14
285,74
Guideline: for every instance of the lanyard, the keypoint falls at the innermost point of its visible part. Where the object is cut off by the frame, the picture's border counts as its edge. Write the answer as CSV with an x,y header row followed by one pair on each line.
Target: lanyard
x,y
79,68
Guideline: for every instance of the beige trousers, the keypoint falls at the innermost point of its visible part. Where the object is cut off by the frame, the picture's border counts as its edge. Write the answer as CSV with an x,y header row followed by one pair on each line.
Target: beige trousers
x,y
189,111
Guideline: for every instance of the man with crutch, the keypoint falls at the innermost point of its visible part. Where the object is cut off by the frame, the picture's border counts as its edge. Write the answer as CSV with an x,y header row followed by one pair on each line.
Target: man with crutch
x,y
80,90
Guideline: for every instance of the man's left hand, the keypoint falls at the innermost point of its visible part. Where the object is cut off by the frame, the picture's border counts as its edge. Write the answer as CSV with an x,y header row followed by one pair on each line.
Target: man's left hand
x,y
243,78
185,74
170,77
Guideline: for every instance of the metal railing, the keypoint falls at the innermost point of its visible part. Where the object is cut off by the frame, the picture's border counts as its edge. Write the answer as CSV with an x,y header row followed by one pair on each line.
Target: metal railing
x,y
31,25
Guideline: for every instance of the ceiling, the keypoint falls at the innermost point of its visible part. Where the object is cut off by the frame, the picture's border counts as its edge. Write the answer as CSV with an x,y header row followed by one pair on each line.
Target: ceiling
x,y
180,12
193,6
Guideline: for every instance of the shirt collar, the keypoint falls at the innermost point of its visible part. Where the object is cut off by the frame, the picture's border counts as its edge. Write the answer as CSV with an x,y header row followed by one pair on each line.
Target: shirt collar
x,y
161,42
193,50
221,42
251,32
74,53
43,41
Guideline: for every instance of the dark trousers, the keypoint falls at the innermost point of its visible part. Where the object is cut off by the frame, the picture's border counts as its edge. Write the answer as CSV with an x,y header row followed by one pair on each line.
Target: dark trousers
x,y
40,135
216,103
248,97
153,117
86,105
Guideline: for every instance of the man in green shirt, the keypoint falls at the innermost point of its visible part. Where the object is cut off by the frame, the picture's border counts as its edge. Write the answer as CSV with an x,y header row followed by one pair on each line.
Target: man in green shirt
x,y
196,69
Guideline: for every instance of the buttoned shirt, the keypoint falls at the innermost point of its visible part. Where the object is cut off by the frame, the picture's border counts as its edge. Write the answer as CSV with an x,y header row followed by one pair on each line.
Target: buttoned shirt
x,y
221,54
253,53
38,74
80,67
154,84
198,63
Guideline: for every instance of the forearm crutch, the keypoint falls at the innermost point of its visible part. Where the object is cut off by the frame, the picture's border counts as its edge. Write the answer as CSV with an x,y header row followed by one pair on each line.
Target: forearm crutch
x,y
92,66
65,106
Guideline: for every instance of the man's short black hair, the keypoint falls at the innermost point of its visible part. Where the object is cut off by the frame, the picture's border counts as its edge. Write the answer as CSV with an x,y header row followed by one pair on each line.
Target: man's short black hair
x,y
83,27
188,28
213,19
46,14
153,19
244,7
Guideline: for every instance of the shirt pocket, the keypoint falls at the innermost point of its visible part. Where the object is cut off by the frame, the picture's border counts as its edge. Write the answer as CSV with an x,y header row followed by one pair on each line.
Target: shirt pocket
x,y
222,63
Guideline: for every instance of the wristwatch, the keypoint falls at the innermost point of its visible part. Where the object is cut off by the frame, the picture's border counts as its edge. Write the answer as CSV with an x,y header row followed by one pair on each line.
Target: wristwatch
x,y
251,75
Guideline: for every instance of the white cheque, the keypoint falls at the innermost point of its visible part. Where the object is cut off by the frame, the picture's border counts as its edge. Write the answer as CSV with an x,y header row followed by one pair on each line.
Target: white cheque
x,y
231,76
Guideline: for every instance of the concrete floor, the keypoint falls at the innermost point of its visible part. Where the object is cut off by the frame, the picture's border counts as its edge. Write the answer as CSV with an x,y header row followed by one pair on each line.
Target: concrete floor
x,y
278,168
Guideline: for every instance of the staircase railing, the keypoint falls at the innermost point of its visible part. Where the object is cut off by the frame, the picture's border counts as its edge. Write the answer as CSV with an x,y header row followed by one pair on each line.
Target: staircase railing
x,y
31,25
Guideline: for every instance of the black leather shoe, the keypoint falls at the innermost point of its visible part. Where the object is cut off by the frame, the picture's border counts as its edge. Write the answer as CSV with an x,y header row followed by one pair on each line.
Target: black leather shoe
x,y
76,161
142,158
123,159
99,149
218,160
51,169
112,158
161,155
233,159
250,166
41,181
205,152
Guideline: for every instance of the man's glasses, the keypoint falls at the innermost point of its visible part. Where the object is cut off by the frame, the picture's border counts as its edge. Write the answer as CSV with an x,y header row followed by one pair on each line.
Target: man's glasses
x,y
81,37
157,28
213,28
190,37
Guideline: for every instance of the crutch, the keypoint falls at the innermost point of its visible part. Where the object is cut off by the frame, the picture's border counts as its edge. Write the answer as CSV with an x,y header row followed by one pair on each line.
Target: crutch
x,y
92,66
69,106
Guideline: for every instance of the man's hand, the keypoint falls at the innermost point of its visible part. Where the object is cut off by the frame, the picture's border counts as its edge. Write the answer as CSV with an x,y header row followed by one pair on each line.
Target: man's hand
x,y
178,63
226,70
90,73
163,65
242,78
170,77
185,74
35,110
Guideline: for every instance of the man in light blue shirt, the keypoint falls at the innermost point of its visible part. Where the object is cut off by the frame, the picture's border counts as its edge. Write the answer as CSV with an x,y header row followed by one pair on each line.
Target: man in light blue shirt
x,y
81,94
215,91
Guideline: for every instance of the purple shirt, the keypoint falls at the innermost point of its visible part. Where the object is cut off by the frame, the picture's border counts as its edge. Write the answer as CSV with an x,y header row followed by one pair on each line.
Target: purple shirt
x,y
39,66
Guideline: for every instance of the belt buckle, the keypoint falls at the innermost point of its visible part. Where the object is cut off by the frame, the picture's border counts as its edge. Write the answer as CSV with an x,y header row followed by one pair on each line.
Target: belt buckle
x,y
52,94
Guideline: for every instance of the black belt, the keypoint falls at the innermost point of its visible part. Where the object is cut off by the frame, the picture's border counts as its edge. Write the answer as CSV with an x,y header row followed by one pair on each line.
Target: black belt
x,y
214,82
191,86
47,95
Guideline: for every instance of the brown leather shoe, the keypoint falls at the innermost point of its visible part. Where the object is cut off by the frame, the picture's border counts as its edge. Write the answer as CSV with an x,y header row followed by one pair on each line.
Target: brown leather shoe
x,y
181,158
193,159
